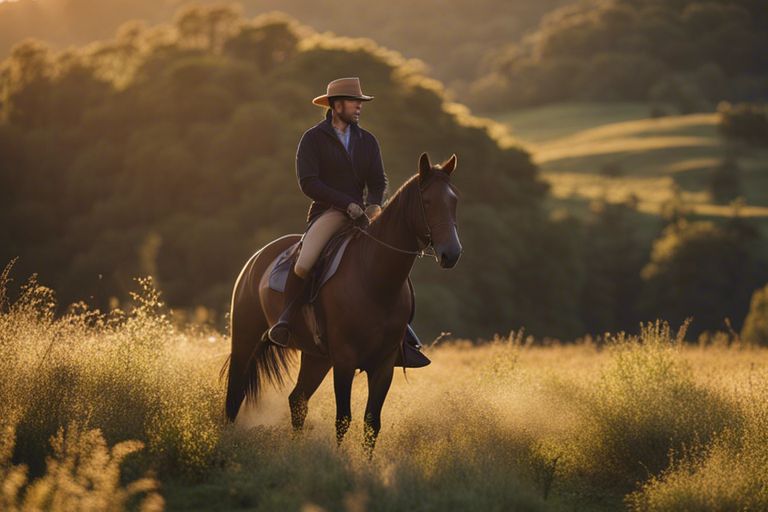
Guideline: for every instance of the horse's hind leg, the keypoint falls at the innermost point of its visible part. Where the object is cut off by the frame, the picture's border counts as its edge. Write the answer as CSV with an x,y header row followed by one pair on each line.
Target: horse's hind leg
x,y
312,372
378,386
342,387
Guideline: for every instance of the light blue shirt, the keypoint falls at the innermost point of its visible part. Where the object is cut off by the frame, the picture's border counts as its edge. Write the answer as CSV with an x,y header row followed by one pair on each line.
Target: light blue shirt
x,y
343,137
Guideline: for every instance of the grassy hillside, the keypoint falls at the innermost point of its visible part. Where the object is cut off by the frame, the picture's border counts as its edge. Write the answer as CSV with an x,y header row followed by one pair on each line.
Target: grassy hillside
x,y
577,145
505,426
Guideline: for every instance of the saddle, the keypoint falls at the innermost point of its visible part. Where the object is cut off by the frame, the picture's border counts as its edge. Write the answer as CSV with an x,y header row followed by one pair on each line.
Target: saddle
x,y
324,268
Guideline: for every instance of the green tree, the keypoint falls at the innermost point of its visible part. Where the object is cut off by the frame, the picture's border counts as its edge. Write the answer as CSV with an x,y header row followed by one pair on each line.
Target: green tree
x,y
613,258
744,122
690,53
27,80
273,41
725,181
702,270
755,331
183,166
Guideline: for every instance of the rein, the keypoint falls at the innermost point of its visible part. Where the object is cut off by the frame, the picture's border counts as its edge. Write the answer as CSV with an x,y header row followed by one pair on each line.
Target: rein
x,y
421,253
428,236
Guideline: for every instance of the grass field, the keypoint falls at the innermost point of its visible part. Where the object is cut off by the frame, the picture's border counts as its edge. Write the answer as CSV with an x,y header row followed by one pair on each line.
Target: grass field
x,y
124,410
652,158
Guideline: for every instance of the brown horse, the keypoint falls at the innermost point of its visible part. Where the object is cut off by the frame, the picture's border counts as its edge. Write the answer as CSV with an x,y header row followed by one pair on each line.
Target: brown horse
x,y
366,305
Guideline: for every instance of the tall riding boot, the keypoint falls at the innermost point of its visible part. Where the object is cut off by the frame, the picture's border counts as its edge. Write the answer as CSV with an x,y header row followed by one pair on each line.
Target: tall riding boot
x,y
411,356
411,338
280,334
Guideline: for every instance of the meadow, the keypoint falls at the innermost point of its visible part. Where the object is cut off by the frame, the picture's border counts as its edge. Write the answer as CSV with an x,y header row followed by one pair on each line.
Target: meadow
x,y
589,151
123,411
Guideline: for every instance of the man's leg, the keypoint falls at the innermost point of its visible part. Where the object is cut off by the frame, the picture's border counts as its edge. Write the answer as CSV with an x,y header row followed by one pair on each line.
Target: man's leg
x,y
315,239
279,334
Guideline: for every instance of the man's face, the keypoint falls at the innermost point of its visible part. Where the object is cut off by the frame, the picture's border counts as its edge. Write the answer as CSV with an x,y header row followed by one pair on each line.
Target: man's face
x,y
348,110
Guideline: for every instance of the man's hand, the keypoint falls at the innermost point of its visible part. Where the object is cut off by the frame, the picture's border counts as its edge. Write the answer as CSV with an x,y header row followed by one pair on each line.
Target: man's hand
x,y
372,211
354,210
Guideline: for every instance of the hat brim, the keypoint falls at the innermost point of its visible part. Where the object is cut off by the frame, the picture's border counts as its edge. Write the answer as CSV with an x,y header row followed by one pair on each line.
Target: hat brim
x,y
322,101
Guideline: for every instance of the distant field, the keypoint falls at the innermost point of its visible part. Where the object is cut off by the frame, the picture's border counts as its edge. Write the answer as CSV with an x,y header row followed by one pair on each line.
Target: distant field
x,y
574,143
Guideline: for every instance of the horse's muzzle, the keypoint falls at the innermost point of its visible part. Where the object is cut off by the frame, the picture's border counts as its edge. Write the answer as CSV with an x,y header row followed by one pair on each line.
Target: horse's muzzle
x,y
449,250
449,257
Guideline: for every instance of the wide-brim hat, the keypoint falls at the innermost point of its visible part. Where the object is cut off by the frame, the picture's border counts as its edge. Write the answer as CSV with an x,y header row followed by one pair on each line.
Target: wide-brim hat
x,y
346,87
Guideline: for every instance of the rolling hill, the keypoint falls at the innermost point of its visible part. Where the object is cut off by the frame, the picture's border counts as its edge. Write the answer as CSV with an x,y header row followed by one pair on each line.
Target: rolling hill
x,y
597,150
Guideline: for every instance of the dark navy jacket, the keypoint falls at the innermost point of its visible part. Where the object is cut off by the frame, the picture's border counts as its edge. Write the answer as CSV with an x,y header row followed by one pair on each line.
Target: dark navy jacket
x,y
333,177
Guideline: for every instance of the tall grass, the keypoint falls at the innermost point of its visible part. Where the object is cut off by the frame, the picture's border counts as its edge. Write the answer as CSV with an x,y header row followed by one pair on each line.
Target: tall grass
x,y
645,422
132,375
731,473
644,407
82,474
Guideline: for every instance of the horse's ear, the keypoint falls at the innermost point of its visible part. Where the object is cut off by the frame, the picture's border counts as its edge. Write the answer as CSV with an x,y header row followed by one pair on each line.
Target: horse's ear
x,y
425,166
449,165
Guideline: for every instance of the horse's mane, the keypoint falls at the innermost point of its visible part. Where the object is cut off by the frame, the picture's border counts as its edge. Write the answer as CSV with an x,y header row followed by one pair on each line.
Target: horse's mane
x,y
403,189
409,185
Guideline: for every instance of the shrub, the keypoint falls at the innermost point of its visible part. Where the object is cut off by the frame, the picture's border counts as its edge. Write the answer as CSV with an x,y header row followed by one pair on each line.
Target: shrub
x,y
644,405
82,474
744,121
725,181
755,331
728,474
132,375
704,270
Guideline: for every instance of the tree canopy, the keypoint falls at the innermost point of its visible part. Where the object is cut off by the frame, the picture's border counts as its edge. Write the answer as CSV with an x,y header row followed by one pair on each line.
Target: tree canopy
x,y
170,151
452,42
685,52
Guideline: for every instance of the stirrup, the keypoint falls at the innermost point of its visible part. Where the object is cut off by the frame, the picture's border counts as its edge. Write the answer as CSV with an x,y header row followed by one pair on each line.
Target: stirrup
x,y
279,334
410,355
411,338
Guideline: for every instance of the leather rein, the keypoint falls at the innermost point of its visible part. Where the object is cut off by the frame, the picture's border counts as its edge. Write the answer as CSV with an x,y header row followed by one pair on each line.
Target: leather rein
x,y
427,241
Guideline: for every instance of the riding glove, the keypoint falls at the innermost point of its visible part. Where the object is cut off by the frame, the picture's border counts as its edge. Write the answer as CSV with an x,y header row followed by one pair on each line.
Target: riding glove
x,y
354,210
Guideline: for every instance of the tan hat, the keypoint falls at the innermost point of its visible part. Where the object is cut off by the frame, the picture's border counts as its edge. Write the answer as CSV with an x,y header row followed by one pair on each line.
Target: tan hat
x,y
347,87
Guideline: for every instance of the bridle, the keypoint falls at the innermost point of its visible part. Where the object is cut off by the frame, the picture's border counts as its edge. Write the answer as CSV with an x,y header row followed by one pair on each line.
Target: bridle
x,y
427,237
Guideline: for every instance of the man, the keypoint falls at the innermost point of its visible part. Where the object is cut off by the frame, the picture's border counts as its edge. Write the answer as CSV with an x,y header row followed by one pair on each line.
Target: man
x,y
336,162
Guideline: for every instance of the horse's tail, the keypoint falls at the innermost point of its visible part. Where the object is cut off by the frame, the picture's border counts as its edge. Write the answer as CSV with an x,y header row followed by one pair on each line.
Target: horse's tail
x,y
247,373
235,386
253,361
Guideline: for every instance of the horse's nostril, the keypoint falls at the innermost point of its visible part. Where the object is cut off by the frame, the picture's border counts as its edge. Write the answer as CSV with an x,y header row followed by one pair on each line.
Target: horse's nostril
x,y
447,260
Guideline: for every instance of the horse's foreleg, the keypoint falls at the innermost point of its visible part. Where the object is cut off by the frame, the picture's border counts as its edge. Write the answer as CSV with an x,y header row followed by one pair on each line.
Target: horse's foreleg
x,y
378,386
312,372
342,387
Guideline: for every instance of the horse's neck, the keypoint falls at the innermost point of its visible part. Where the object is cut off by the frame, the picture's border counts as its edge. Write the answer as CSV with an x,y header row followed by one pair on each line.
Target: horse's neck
x,y
385,268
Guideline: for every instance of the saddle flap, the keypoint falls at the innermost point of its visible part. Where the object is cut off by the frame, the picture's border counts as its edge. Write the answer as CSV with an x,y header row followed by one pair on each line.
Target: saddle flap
x,y
326,266
283,264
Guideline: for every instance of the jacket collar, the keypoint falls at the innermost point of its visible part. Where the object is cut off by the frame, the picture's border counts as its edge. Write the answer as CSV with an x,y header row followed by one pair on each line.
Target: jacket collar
x,y
327,126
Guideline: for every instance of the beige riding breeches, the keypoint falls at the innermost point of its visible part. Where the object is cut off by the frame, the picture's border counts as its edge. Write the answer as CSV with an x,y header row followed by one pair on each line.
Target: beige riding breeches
x,y
318,234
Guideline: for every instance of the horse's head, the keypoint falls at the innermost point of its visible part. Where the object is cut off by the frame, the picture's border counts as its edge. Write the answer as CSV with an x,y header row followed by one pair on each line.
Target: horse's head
x,y
438,199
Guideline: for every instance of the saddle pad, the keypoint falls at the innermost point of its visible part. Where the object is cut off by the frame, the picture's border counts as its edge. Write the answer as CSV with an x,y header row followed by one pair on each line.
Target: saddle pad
x,y
283,264
325,267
